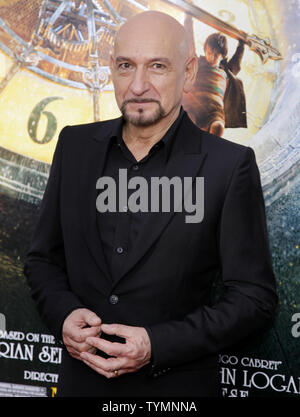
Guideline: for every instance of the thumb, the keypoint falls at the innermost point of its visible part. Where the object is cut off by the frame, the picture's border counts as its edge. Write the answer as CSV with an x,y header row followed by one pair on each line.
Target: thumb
x,y
91,318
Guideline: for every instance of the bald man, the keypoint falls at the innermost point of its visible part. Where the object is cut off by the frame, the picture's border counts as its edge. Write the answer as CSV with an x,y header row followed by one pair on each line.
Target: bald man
x,y
123,278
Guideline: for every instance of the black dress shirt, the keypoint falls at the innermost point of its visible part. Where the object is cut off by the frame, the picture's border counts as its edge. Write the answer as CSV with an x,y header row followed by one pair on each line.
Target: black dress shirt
x,y
118,230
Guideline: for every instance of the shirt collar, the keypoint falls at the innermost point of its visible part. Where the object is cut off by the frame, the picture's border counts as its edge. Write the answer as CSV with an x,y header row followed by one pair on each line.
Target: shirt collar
x,y
166,140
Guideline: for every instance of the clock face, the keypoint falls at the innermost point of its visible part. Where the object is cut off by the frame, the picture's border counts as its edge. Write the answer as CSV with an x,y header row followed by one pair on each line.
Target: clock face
x,y
54,70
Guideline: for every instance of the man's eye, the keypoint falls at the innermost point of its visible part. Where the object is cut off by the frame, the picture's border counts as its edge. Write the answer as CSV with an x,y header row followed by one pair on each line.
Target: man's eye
x,y
158,65
124,66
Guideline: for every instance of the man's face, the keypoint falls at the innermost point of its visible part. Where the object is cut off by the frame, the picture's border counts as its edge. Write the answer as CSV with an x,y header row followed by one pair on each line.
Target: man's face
x,y
148,75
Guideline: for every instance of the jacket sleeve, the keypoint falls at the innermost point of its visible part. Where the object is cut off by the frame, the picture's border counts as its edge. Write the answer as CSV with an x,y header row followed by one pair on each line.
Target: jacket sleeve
x,y
45,266
249,299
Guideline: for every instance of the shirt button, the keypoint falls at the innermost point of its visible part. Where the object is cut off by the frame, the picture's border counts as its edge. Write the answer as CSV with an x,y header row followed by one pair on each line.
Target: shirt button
x,y
113,299
120,249
135,167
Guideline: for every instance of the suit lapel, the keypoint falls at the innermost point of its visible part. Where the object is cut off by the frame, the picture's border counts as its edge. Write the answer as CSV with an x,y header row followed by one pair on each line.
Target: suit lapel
x,y
185,161
93,160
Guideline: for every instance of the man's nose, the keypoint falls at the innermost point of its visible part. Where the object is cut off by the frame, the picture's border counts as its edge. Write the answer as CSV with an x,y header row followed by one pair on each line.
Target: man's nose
x,y
140,83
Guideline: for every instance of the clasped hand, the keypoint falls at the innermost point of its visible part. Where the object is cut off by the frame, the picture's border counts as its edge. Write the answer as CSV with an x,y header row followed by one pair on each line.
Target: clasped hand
x,y
81,330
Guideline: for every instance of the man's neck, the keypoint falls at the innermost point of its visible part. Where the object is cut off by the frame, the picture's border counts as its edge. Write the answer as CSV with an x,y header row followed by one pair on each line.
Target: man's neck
x,y
144,137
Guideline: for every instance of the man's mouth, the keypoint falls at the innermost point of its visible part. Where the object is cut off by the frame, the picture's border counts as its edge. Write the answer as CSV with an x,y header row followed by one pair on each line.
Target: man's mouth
x,y
140,101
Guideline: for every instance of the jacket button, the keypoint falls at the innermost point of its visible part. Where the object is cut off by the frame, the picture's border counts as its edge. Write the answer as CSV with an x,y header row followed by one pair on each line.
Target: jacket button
x,y
113,299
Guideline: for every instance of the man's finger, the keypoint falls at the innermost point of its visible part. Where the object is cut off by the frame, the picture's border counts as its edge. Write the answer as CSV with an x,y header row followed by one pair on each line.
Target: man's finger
x,y
111,348
107,365
91,318
107,374
79,335
74,353
90,332
78,347
117,329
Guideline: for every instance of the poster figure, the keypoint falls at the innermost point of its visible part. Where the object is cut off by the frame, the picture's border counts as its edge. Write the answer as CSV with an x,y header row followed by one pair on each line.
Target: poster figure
x,y
218,98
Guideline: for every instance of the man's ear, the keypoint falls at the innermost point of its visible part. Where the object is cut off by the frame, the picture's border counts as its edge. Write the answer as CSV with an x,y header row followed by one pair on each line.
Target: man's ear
x,y
191,68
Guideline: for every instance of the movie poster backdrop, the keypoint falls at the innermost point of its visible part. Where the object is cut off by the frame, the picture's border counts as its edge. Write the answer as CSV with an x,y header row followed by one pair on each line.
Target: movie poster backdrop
x,y
54,72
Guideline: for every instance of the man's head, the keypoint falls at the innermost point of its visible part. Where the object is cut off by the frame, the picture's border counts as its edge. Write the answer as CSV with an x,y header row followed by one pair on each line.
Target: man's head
x,y
151,67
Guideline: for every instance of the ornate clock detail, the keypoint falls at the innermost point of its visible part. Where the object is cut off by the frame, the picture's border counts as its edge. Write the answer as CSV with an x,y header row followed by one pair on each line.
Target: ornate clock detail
x,y
70,41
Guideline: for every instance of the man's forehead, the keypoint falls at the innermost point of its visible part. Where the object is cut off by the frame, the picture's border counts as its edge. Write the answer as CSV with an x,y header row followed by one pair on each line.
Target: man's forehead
x,y
145,47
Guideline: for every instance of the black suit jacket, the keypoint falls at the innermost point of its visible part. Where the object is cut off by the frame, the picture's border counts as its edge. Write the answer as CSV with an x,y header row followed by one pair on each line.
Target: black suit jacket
x,y
167,279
